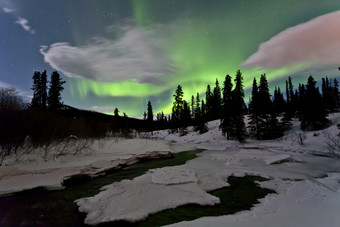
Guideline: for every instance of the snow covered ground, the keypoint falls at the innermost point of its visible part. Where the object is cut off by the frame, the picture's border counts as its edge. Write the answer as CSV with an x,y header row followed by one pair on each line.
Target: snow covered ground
x,y
299,165
308,184
34,171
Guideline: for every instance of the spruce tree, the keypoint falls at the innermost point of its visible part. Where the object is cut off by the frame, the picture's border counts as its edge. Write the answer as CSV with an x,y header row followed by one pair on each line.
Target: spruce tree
x,y
291,100
54,92
291,93
185,115
238,130
226,115
208,103
264,101
313,112
264,107
150,112
216,101
193,106
203,111
116,112
288,100
278,101
177,107
300,100
162,116
254,112
43,90
269,126
330,93
36,100
197,109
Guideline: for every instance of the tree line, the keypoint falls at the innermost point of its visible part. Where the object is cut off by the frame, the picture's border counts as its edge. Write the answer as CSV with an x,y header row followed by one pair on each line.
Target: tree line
x,y
268,115
46,120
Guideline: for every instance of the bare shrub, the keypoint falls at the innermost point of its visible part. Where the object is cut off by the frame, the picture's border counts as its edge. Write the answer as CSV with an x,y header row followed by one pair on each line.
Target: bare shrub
x,y
296,138
70,146
333,143
101,142
26,148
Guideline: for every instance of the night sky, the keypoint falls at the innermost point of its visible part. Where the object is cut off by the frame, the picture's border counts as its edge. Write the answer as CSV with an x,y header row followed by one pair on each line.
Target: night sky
x,y
122,53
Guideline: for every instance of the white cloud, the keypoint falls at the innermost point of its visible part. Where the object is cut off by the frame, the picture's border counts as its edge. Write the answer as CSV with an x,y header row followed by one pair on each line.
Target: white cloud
x,y
7,10
136,54
314,45
24,24
5,85
7,6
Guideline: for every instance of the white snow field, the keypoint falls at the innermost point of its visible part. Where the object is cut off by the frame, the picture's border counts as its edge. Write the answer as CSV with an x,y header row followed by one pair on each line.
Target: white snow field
x,y
33,171
299,166
307,184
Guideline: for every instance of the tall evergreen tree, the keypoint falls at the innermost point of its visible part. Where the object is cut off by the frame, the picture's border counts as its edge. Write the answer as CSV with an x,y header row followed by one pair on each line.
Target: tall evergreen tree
x,y
150,112
54,93
36,100
291,93
313,112
116,112
288,100
177,107
197,109
264,107
208,103
226,115
330,94
216,101
254,112
162,117
238,130
269,127
203,111
291,102
264,101
300,100
326,94
185,114
278,101
193,106
43,90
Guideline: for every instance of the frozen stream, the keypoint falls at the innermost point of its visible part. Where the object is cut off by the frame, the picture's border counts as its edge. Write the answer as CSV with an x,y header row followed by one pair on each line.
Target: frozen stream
x,y
39,207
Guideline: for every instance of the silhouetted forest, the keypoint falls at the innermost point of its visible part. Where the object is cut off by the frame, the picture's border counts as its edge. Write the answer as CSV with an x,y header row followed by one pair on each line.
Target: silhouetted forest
x,y
47,119
269,115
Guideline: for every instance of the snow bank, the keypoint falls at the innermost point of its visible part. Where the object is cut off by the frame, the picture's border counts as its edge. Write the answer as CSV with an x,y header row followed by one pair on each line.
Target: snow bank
x,y
298,203
134,200
277,159
32,171
170,175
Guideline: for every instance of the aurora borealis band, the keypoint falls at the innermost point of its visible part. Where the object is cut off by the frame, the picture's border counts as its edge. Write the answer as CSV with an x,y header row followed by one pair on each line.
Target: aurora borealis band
x,y
122,53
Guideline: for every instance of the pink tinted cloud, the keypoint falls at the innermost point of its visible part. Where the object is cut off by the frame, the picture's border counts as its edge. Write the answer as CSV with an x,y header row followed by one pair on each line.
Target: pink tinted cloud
x,y
315,43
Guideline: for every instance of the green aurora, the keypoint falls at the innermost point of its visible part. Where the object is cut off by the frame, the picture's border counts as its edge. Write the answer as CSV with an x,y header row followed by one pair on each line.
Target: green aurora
x,y
203,41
